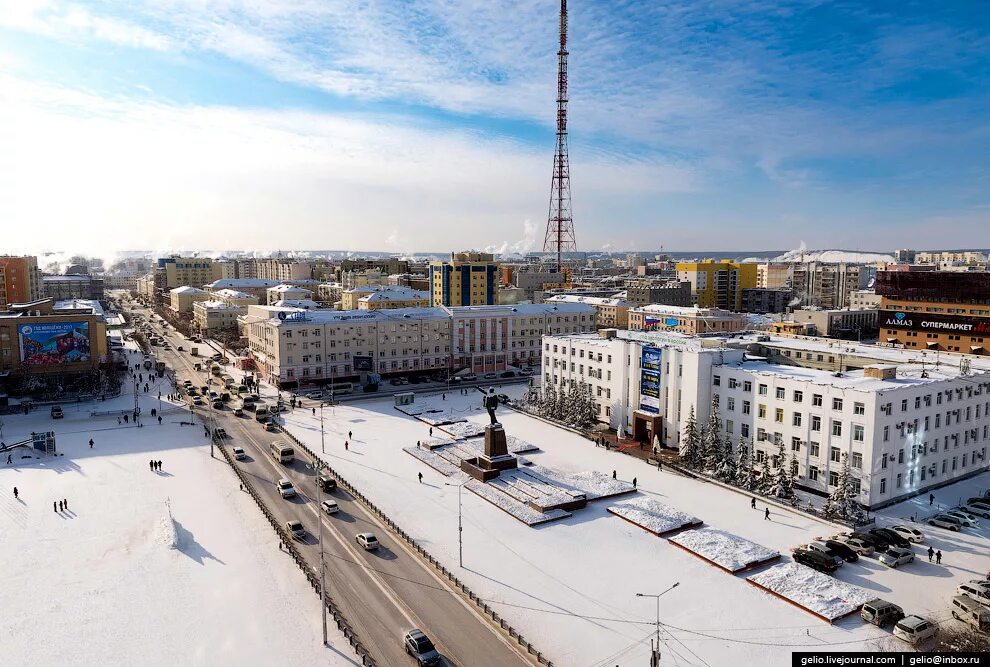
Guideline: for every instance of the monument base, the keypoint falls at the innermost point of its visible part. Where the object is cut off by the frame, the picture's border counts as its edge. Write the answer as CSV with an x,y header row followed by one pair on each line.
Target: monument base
x,y
496,458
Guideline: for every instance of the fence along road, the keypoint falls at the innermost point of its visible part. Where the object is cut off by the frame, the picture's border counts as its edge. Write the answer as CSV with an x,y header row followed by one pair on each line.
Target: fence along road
x,y
381,594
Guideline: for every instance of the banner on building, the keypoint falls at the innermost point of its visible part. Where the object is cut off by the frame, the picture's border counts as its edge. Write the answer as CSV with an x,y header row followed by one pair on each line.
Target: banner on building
x,y
915,321
52,343
649,383
363,363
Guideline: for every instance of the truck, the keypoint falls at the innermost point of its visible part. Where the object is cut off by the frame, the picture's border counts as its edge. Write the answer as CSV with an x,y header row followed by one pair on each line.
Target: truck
x,y
194,351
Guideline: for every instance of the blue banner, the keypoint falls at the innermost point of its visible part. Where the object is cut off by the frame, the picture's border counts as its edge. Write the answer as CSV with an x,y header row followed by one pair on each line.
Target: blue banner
x,y
649,384
52,343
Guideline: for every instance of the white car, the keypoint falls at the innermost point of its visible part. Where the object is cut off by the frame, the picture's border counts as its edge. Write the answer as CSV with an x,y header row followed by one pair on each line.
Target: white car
x,y
978,510
239,453
861,547
295,529
367,540
914,629
330,506
976,592
895,556
946,521
965,518
285,488
909,533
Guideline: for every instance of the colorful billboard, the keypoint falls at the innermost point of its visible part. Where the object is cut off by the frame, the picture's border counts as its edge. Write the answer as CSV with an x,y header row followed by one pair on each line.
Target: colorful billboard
x,y
649,383
52,343
897,319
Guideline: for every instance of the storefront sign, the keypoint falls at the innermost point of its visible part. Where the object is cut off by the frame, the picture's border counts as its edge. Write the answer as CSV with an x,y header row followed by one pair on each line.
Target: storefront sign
x,y
914,321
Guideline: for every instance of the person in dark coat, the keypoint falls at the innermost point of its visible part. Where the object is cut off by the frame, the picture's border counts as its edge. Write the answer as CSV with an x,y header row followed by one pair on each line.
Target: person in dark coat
x,y
346,446
65,503
15,493
931,499
151,465
766,514
938,557
159,421
634,482
613,475
350,435
54,506
420,478
752,502
931,552
90,443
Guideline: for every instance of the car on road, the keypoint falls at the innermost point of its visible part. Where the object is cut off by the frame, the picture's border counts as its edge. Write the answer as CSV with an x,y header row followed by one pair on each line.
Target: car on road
x,y
327,483
860,546
285,488
914,629
368,541
909,533
217,404
842,550
239,453
469,377
180,349
976,592
490,376
419,646
238,412
815,560
508,374
895,556
57,412
527,371
891,537
271,427
330,506
965,518
197,401
946,521
295,529
880,612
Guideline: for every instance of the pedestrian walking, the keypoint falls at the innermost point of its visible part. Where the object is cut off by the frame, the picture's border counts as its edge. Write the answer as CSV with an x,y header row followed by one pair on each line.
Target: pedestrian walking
x,y
60,506
314,412
634,482
931,499
350,435
9,459
614,475
938,557
242,486
151,465
159,421
659,464
15,493
431,431
54,506
931,552
125,419
159,465
118,421
752,502
346,446
766,515
66,504
420,477
90,443
444,396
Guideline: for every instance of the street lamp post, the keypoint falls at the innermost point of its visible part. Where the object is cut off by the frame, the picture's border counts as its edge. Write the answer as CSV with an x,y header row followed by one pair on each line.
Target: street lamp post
x,y
460,524
655,654
318,465
323,440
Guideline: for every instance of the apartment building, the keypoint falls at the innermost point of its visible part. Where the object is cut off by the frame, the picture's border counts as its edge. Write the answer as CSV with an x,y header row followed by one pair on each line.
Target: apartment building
x,y
665,293
388,266
298,347
824,285
905,427
78,286
717,284
283,270
20,280
775,275
256,287
766,299
686,320
378,298
864,299
466,279
366,278
193,271
181,299
609,313
951,257
287,293
221,310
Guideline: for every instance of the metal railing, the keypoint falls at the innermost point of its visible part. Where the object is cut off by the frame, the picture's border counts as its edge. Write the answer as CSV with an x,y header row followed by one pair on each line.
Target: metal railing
x,y
479,602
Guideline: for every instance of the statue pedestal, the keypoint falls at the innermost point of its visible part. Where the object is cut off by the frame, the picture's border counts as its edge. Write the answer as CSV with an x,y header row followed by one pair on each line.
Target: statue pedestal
x,y
495,458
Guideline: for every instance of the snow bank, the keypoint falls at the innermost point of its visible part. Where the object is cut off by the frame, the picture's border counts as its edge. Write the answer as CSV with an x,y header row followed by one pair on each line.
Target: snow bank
x,y
726,550
168,534
653,516
463,429
819,593
834,256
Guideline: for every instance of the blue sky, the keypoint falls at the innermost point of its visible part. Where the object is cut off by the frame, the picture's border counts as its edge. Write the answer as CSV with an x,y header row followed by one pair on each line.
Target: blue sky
x,y
425,125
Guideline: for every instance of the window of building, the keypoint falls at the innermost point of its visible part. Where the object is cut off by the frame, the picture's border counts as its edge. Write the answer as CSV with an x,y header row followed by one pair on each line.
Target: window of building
x,y
816,400
795,444
883,485
813,473
836,428
833,478
837,404
717,380
746,407
816,423
744,430
796,419
857,460
798,396
763,390
761,411
780,393
859,433
778,415
747,385
814,449
833,454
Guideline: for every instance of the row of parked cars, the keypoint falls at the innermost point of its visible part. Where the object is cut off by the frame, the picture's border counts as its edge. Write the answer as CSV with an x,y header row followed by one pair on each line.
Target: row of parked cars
x,y
828,554
964,516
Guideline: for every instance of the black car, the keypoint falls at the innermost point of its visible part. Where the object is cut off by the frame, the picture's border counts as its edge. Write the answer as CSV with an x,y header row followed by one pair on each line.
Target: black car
x,y
327,483
815,560
842,551
879,543
891,537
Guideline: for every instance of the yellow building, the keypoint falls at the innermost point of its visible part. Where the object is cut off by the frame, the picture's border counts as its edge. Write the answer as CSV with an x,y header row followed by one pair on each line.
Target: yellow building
x,y
193,271
383,298
717,284
466,279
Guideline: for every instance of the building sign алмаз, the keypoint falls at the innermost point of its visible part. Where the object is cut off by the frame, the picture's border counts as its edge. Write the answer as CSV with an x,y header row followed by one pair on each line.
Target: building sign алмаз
x,y
935,322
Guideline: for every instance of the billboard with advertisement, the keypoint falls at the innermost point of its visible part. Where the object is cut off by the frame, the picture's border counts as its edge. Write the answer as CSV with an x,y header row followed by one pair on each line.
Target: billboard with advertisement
x,y
363,363
934,322
649,383
52,343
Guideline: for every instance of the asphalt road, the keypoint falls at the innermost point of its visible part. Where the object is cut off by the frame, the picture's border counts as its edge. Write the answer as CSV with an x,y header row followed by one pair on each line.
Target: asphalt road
x,y
382,593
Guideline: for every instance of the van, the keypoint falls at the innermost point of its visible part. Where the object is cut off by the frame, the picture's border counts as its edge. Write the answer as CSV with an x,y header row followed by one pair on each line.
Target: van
x,y
261,412
281,452
971,612
880,612
980,594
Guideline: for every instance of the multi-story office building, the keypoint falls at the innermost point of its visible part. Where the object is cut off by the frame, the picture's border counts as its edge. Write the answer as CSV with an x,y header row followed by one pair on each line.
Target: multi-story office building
x,y
287,293
283,270
935,310
124,281
766,299
38,338
531,280
388,266
466,279
20,280
664,293
609,313
366,278
825,285
379,298
843,323
78,286
192,271
905,426
181,299
689,320
717,284
775,275
951,257
209,317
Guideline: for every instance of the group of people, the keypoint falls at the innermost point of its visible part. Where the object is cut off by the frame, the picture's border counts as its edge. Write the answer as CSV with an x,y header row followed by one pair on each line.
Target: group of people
x,y
155,465
60,505
938,557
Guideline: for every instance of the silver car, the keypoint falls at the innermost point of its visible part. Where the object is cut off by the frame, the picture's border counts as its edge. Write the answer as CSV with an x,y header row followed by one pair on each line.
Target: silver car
x,y
895,556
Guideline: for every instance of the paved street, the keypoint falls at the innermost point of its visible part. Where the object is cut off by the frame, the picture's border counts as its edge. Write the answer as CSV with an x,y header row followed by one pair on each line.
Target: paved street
x,y
382,593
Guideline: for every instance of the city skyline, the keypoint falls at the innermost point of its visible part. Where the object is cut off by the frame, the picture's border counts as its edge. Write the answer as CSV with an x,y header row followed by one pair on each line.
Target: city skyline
x,y
294,124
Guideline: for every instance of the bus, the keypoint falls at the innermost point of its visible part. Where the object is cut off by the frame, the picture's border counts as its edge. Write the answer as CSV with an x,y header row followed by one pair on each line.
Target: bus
x,y
338,389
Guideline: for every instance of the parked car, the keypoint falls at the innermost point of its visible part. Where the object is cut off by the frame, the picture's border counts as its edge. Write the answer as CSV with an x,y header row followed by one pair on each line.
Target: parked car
x,y
970,611
860,546
823,549
909,533
508,374
914,629
490,376
880,612
271,427
469,377
217,404
327,483
295,529
878,542
895,556
330,506
844,551
965,518
946,521
979,509
979,593
419,646
57,412
239,453
978,500
197,401
527,371
815,560
891,537
367,540
238,412
285,488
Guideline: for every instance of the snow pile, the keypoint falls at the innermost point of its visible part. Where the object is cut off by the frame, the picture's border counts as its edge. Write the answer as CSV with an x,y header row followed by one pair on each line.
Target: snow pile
x,y
834,256
819,593
435,461
726,550
653,516
168,534
512,506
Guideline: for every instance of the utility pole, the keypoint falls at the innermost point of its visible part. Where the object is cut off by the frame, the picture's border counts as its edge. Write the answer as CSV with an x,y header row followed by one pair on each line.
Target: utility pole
x,y
323,568
323,440
655,643
460,523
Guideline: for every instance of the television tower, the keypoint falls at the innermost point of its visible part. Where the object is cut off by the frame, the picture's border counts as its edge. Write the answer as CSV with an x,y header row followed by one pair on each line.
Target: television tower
x,y
560,225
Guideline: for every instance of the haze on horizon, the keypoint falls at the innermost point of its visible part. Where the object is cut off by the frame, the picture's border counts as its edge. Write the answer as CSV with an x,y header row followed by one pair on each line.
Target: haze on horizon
x,y
425,126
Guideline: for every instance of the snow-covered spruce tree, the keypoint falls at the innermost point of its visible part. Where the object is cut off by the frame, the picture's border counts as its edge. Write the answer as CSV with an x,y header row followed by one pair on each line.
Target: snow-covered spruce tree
x,y
745,477
764,485
589,407
690,449
793,476
842,504
782,487
711,442
726,471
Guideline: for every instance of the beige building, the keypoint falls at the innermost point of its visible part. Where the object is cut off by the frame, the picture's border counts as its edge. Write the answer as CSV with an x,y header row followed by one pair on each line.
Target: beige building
x,y
194,271
145,286
691,321
864,299
283,270
842,323
948,256
610,313
774,275
181,299
824,285
717,284
367,278
379,298
287,293
236,298
256,287
466,279
329,295
212,316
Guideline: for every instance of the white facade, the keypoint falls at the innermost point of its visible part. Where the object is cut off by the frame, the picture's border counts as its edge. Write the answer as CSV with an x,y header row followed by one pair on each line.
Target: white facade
x,y
902,435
